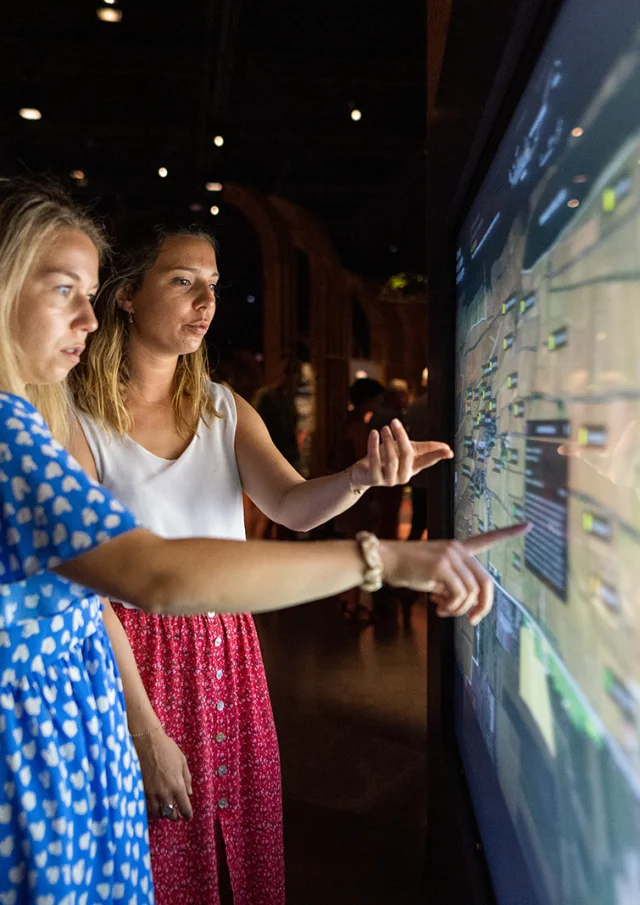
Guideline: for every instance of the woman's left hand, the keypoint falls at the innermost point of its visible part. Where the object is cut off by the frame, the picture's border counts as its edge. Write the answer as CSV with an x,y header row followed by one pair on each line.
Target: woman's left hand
x,y
392,458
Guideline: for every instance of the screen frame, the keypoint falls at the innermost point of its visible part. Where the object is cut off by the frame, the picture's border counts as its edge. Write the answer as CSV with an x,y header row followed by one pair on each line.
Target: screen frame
x,y
456,868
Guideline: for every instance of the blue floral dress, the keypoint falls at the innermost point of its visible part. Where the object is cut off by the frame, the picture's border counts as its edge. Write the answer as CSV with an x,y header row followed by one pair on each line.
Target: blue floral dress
x,y
73,826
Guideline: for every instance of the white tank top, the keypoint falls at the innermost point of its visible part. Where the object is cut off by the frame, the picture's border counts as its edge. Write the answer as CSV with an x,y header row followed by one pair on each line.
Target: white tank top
x,y
197,495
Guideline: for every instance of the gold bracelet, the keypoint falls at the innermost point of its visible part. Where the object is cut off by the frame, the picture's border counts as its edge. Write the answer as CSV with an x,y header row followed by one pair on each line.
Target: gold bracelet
x,y
356,491
369,547
149,732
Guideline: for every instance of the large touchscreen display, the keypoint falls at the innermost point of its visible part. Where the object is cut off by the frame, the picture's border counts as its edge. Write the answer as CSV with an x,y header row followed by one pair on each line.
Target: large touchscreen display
x,y
548,430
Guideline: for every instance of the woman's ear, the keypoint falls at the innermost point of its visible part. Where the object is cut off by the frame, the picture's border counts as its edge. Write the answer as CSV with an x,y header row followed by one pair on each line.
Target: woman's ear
x,y
123,299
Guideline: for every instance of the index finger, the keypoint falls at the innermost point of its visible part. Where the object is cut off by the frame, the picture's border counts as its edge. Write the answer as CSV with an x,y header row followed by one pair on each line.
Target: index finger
x,y
484,541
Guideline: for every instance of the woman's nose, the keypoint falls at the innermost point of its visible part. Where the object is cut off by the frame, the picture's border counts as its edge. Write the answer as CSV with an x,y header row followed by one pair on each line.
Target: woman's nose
x,y
86,317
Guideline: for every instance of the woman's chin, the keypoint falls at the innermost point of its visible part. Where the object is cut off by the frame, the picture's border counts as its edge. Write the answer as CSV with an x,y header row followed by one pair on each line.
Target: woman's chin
x,y
190,345
58,374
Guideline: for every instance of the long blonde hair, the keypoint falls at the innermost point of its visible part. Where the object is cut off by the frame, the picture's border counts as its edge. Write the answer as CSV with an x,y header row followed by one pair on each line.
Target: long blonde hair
x,y
99,383
31,213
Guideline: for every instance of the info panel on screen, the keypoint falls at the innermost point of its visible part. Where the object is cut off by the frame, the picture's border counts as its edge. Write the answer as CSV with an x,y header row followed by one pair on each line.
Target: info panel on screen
x,y
548,430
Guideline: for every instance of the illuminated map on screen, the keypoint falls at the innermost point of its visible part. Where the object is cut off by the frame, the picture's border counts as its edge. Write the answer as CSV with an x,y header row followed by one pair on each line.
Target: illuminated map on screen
x,y
548,429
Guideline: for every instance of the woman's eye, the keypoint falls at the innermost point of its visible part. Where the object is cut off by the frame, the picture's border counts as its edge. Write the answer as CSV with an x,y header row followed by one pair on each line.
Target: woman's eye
x,y
213,287
181,281
64,290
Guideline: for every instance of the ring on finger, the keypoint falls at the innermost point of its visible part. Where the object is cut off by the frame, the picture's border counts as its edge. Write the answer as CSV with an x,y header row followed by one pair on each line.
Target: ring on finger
x,y
167,810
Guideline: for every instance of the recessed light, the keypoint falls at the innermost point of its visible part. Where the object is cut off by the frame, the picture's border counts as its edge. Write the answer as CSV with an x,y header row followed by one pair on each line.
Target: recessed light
x,y
109,15
356,114
573,203
30,113
215,210
577,132
213,186
77,174
218,141
163,172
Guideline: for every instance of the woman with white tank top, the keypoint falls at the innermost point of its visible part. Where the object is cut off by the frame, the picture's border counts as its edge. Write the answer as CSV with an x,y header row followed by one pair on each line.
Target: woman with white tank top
x,y
179,450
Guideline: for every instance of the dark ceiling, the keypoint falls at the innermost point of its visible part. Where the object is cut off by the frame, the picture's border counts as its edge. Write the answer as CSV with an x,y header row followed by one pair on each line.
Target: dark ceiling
x,y
275,77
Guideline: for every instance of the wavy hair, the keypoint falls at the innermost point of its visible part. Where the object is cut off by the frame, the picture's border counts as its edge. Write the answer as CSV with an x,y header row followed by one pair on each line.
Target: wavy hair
x,y
32,211
99,383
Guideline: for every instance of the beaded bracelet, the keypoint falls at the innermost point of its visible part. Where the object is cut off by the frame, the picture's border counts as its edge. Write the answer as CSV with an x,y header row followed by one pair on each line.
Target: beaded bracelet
x,y
369,547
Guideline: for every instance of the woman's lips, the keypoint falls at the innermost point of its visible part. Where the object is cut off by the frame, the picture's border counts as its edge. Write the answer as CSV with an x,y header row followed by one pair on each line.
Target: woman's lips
x,y
73,356
200,329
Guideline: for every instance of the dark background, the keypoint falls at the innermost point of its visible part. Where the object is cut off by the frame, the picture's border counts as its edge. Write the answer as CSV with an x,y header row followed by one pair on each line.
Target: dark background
x,y
276,79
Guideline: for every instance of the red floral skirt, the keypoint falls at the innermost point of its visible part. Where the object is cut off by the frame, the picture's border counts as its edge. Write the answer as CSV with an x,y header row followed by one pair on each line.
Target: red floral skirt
x,y
206,681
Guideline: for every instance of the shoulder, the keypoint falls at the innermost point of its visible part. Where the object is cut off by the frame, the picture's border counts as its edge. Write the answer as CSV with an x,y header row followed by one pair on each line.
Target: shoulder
x,y
223,398
22,425
14,408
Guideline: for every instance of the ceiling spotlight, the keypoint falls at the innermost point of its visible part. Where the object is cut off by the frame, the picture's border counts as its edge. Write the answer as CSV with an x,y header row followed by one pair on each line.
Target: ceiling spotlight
x,y
215,210
356,114
110,2
195,206
573,203
577,132
218,141
163,172
213,186
30,113
109,15
77,174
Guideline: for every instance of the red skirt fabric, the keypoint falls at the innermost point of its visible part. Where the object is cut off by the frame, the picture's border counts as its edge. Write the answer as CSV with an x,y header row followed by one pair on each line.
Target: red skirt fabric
x,y
206,681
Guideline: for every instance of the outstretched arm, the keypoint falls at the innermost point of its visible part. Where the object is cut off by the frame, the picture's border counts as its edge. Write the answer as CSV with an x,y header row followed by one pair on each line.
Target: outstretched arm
x,y
199,575
93,540
284,495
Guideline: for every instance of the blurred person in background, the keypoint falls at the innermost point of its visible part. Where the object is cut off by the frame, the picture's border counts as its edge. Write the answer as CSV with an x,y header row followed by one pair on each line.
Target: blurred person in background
x,y
276,405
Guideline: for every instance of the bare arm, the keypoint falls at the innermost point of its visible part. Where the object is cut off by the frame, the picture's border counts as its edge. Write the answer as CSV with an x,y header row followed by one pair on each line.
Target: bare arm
x,y
141,716
164,767
199,575
284,495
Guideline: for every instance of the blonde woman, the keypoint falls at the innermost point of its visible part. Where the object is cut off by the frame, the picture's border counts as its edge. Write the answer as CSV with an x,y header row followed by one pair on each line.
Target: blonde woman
x,y
72,814
179,450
